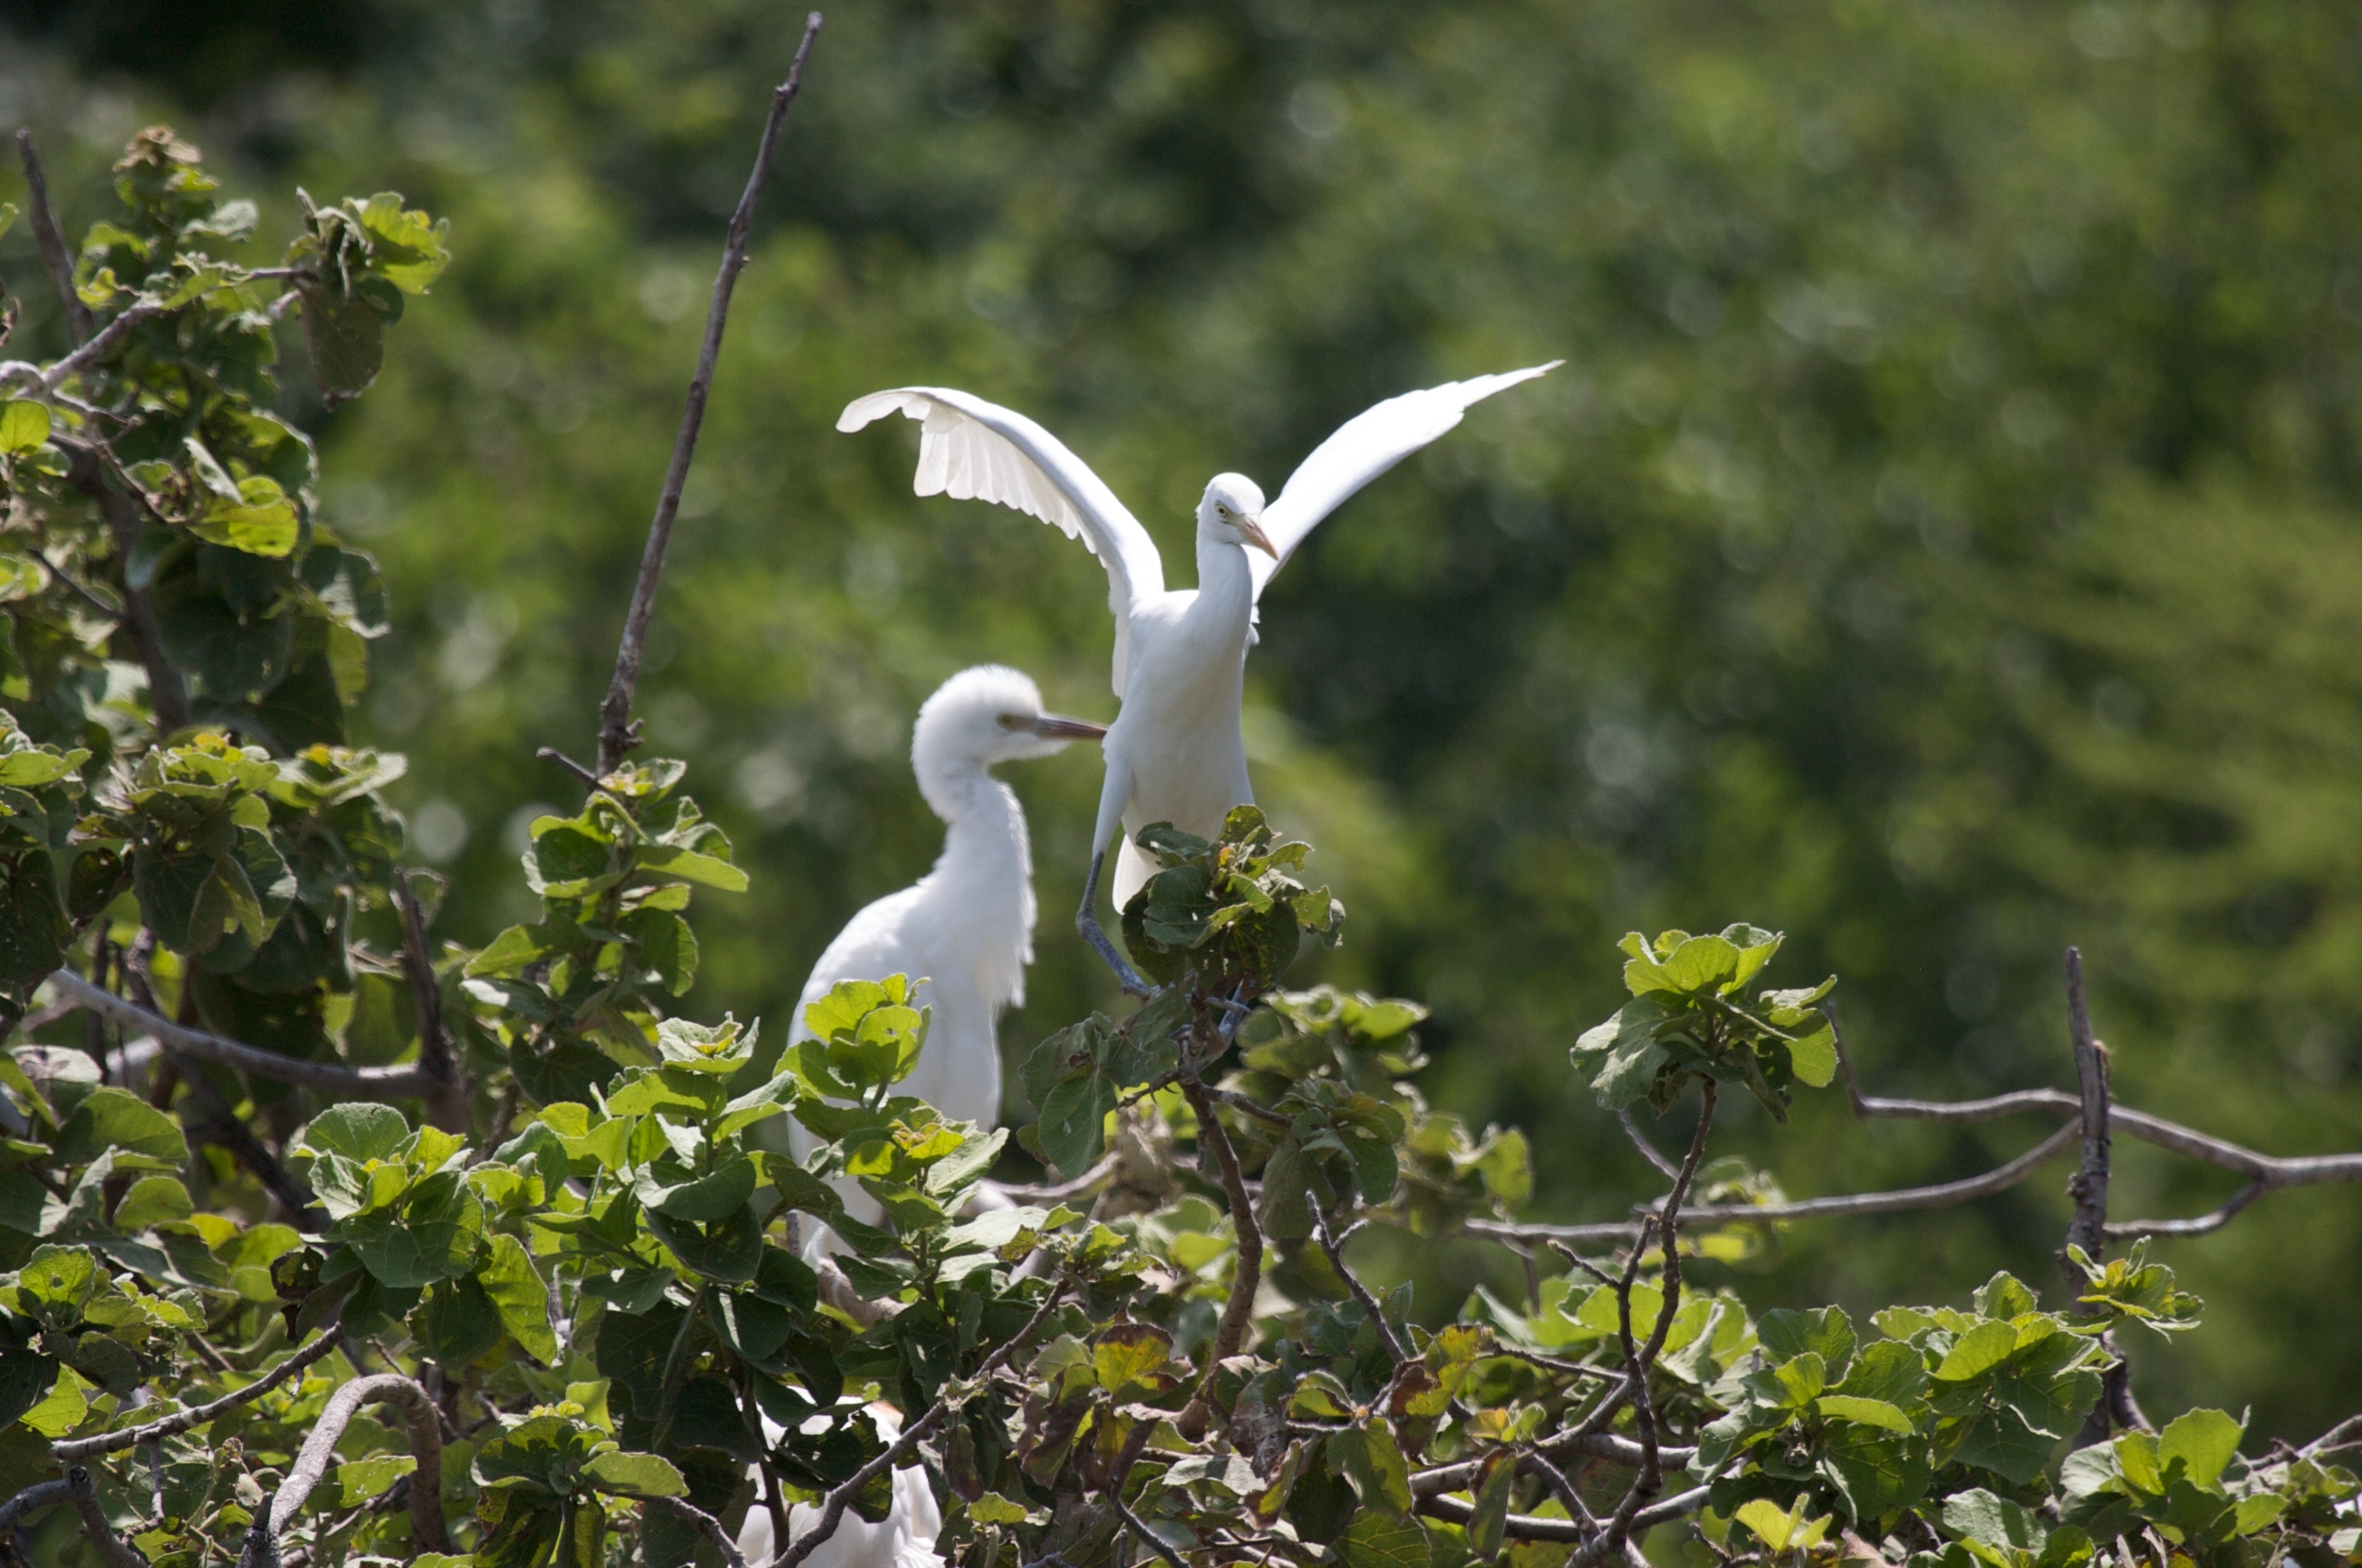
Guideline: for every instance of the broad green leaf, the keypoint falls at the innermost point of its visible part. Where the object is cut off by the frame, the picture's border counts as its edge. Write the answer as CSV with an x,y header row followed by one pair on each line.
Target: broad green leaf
x,y
521,1296
262,521
1865,1412
1380,1540
24,425
64,1408
359,1130
1995,1522
363,1479
117,1119
1370,1459
691,866
2203,1440
1977,1352
152,1200
634,1475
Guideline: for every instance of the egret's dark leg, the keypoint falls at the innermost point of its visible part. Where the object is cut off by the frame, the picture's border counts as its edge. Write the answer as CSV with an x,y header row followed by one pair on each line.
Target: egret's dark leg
x,y
1086,921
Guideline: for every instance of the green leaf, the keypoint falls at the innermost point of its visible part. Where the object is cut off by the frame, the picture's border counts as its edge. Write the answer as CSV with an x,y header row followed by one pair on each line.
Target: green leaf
x,y
1993,1521
114,1119
63,1409
151,1200
522,1298
359,1130
1378,1540
24,425
1813,1057
347,341
1865,1412
634,1475
691,866
2203,1440
262,521
1827,1332
363,1479
1373,1462
1073,1122
1977,1352
1490,1520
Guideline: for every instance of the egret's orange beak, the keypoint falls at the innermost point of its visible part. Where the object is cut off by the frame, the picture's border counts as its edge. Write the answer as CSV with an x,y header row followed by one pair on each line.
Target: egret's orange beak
x,y
1253,529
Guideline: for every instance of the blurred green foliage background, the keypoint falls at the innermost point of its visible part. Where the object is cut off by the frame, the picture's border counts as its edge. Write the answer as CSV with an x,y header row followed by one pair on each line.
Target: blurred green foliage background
x,y
1942,543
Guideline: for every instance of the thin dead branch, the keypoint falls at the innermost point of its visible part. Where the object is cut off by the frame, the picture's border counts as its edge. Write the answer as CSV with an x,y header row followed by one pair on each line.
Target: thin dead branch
x,y
320,1451
51,239
195,1416
1238,1311
617,733
326,1077
447,1093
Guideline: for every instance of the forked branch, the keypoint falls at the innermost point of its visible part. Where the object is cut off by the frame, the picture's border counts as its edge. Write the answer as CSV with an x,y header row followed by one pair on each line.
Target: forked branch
x,y
326,1077
320,1451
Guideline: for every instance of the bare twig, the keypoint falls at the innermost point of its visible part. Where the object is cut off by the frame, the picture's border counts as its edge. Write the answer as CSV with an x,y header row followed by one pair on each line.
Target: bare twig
x,y
447,1096
682,1508
41,1494
1395,1350
833,1508
109,338
1648,1152
2089,1184
132,1437
616,734
1148,1537
551,754
319,1450
52,241
1238,1311
110,1546
1081,1187
1571,1531
1640,1359
1899,1200
326,1077
86,470
1613,1447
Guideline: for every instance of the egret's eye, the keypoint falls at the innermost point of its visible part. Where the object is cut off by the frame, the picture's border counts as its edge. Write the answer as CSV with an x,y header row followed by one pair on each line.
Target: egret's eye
x,y
1012,721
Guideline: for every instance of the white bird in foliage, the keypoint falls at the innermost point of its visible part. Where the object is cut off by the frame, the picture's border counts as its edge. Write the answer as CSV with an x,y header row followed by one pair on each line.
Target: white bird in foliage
x,y
1174,753
965,929
905,1538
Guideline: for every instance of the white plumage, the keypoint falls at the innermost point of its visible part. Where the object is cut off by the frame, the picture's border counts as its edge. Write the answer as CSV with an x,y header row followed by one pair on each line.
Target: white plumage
x,y
965,929
1174,753
905,1538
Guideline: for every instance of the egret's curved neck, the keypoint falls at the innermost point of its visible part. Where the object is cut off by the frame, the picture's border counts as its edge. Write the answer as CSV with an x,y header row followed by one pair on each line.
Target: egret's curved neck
x,y
1225,587
984,844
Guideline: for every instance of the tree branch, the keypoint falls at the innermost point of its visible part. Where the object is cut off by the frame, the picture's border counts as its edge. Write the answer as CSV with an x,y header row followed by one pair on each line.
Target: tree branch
x,y
2088,1187
320,1449
1523,1526
682,1508
1238,1311
1610,1446
326,1077
447,1093
616,734
111,1545
833,1508
1395,1350
132,1437
166,692
52,242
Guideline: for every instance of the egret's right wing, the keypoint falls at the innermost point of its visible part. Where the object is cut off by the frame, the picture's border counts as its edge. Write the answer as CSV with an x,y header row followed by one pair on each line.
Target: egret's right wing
x,y
974,451
1362,448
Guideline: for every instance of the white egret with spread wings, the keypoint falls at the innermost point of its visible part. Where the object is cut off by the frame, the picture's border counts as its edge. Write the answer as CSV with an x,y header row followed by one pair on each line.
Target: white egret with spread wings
x,y
1174,753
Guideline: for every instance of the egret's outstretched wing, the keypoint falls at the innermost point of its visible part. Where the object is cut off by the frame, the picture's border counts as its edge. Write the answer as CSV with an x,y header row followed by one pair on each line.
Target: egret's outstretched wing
x,y
1364,446
975,450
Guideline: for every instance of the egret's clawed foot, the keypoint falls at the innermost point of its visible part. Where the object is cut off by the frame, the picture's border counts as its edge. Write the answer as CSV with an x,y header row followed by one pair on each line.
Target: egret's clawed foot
x,y
1086,921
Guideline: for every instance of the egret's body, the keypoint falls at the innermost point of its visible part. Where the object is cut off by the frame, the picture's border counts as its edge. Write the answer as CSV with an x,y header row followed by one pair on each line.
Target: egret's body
x,y
965,929
1174,753
905,1538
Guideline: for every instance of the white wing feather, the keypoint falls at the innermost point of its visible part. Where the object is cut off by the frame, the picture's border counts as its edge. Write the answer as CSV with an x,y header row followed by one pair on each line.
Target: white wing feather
x,y
1362,448
970,450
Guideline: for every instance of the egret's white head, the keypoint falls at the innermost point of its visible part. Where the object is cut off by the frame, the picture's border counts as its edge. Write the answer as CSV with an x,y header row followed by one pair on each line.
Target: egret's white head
x,y
1233,511
986,715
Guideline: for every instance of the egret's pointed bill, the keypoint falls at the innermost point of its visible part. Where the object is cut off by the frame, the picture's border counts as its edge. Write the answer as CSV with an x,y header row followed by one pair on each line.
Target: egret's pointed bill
x,y
1056,726
1253,529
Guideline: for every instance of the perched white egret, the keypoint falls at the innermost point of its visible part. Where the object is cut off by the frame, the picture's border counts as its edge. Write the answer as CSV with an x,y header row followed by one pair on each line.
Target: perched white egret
x,y
905,1538
1174,753
965,929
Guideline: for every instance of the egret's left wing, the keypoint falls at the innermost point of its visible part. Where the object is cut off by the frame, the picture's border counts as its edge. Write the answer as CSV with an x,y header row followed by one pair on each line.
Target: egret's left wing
x,y
1364,446
975,450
